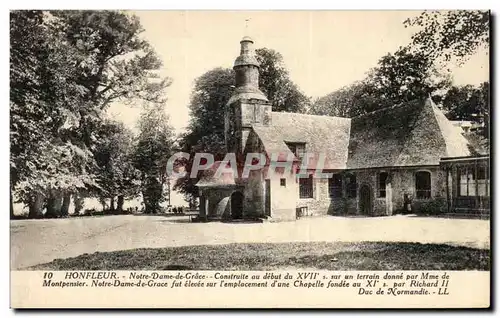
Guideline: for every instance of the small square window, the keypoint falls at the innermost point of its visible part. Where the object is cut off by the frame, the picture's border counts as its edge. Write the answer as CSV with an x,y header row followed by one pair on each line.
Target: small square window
x,y
283,182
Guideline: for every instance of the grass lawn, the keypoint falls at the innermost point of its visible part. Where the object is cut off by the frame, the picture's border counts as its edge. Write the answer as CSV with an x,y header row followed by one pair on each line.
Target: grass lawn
x,y
276,256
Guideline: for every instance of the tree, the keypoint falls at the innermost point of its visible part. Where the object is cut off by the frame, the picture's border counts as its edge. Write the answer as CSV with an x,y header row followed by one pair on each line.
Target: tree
x,y
66,68
275,83
113,154
114,63
469,103
462,102
28,42
205,131
349,101
448,34
152,150
397,78
43,96
405,76
211,92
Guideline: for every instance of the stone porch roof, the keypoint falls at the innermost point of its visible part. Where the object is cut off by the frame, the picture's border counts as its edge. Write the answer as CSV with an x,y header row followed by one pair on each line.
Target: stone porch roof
x,y
209,178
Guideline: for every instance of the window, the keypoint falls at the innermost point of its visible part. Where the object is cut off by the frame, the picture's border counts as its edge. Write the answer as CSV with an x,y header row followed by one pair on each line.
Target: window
x,y
298,149
382,180
306,187
467,182
468,178
283,182
335,186
483,189
351,186
423,184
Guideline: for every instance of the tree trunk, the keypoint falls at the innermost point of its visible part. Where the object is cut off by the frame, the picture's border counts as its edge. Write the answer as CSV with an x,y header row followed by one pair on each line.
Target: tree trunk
x,y
65,204
78,201
35,206
145,201
54,204
486,132
119,204
112,204
103,203
11,204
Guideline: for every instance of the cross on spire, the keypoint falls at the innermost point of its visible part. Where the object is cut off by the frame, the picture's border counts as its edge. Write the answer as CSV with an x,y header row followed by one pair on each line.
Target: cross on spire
x,y
247,20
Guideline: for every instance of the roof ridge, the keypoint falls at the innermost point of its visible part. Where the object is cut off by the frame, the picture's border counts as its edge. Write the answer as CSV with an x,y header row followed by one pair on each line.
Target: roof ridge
x,y
405,103
434,108
312,115
437,112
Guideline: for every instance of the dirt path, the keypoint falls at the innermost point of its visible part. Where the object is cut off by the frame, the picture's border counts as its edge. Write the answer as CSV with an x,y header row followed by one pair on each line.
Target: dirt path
x,y
39,241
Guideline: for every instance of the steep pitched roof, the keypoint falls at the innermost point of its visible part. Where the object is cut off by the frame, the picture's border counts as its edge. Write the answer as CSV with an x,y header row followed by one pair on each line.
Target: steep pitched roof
x,y
416,133
322,135
412,134
456,144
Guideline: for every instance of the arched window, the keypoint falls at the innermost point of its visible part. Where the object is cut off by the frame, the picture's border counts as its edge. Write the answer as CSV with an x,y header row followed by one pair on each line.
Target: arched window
x,y
423,184
382,181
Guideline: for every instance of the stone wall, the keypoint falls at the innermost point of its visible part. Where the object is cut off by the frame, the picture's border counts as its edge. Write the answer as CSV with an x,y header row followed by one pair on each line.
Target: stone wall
x,y
254,196
404,182
320,203
215,202
401,181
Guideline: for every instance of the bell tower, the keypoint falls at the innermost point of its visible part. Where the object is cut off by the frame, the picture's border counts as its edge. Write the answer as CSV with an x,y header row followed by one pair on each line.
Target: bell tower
x,y
247,106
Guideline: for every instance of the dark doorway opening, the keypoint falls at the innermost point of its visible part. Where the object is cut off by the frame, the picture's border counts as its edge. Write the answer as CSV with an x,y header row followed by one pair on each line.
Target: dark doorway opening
x,y
237,205
365,200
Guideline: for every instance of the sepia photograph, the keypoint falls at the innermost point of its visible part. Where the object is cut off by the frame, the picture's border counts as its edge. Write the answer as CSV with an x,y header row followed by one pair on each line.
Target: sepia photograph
x,y
184,150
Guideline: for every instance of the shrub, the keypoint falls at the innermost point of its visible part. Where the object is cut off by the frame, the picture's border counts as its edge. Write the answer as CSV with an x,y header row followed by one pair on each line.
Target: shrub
x,y
435,206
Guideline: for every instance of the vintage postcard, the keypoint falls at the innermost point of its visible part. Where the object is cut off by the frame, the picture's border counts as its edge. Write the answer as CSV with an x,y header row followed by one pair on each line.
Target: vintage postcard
x,y
250,159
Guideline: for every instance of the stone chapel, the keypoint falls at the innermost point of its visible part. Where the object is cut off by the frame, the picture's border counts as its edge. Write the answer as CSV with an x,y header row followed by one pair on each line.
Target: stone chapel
x,y
405,158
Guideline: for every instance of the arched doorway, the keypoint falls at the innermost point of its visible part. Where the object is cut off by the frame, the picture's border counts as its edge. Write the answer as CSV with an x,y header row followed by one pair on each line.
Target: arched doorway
x,y
236,205
365,200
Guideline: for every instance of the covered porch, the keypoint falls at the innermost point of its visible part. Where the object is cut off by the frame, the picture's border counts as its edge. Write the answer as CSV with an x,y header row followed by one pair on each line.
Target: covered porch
x,y
467,184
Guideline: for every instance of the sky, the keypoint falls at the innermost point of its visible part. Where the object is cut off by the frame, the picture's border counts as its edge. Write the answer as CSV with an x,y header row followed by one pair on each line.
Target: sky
x,y
323,50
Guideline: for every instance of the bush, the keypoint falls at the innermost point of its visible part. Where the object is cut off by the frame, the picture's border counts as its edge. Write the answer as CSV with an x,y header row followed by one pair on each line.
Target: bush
x,y
435,206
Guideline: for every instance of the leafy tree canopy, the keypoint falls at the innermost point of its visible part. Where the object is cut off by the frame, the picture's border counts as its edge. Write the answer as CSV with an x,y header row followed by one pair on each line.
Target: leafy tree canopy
x,y
66,68
448,34
397,78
